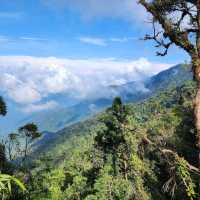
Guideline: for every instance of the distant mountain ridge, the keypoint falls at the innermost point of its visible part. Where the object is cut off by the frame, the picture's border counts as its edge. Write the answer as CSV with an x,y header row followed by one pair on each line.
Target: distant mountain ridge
x,y
169,80
56,119
135,91
60,117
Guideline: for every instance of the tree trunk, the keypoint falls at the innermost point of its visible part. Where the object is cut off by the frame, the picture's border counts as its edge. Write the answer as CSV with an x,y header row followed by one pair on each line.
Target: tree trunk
x,y
2,157
197,114
196,68
125,170
197,124
114,163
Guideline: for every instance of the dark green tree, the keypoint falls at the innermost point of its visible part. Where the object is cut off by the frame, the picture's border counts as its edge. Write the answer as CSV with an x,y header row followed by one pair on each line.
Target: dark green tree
x,y
3,108
3,111
3,159
112,137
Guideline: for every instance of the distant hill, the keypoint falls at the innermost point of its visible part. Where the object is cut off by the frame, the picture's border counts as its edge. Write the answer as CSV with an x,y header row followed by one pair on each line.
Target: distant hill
x,y
62,116
137,91
130,93
172,77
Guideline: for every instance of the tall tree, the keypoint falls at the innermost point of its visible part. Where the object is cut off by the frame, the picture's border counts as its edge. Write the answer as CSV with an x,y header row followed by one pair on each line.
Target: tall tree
x,y
12,145
3,111
3,108
2,157
177,22
29,133
112,137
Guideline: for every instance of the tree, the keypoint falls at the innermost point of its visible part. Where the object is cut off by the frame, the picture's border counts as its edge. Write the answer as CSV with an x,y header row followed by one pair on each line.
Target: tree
x,y
29,133
3,112
3,108
12,146
6,180
180,25
112,137
3,159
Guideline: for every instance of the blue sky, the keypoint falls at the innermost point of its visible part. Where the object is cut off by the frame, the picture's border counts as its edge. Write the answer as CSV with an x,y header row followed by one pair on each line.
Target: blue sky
x,y
54,28
52,47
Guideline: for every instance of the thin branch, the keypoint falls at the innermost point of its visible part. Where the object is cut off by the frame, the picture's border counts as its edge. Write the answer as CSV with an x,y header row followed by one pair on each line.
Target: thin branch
x,y
190,167
159,42
178,37
171,152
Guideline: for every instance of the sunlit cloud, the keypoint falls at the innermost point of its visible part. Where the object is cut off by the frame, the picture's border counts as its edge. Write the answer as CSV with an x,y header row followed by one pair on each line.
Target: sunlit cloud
x,y
122,39
93,41
30,80
105,41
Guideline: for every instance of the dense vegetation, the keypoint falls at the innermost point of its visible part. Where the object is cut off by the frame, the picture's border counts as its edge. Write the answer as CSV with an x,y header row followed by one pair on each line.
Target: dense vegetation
x,y
135,151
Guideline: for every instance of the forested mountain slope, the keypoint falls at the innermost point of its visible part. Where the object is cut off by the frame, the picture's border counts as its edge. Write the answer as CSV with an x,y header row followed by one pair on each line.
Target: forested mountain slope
x,y
82,164
61,116
137,91
131,92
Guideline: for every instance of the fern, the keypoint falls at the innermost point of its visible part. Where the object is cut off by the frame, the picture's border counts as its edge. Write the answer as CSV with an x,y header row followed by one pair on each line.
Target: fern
x,y
6,182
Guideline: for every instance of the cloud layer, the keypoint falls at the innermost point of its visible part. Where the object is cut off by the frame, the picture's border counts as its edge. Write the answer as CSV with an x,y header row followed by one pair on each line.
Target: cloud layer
x,y
30,80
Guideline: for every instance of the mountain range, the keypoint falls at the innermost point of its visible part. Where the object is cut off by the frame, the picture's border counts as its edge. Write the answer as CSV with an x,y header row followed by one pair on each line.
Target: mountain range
x,y
63,116
133,92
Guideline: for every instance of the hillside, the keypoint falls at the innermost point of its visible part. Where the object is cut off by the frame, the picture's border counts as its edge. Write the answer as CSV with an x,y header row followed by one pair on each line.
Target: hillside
x,y
165,119
58,118
130,92
137,91
66,113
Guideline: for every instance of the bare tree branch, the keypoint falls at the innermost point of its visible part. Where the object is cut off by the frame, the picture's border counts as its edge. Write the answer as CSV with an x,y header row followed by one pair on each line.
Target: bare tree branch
x,y
175,34
147,141
160,43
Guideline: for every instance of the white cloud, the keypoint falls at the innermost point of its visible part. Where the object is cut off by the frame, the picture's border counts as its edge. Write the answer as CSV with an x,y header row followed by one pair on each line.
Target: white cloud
x,y
124,9
29,80
17,90
104,41
123,39
93,41
39,107
119,39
